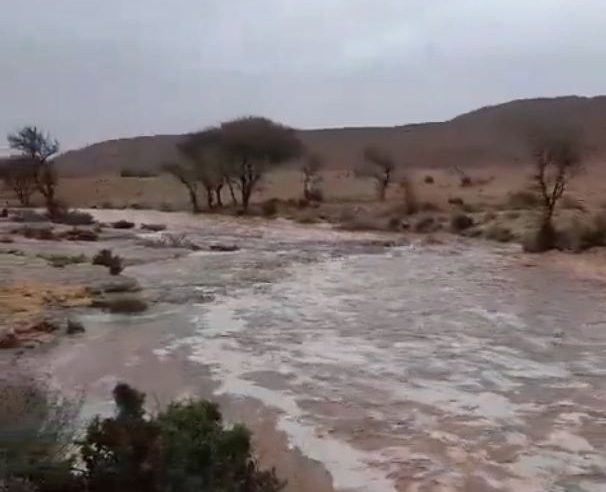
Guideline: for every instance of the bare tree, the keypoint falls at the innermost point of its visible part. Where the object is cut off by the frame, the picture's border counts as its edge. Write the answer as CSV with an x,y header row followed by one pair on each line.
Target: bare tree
x,y
253,145
311,167
19,175
557,158
186,175
40,147
379,166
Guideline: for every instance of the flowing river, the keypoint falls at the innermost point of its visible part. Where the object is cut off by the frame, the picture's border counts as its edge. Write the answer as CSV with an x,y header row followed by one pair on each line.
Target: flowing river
x,y
402,367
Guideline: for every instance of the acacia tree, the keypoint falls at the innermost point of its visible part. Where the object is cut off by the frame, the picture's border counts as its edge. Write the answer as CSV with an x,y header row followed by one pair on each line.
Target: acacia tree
x,y
311,178
186,175
205,154
379,166
19,175
253,145
40,147
557,157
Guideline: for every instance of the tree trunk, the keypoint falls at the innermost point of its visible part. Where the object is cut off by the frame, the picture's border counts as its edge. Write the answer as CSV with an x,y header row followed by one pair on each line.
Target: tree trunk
x,y
218,190
234,200
246,192
193,198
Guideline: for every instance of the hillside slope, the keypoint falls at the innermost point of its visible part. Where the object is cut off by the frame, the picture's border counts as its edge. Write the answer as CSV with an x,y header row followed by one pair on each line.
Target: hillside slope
x,y
490,135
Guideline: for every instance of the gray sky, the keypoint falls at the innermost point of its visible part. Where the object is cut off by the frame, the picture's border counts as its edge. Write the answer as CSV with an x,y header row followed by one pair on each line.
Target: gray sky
x,y
88,70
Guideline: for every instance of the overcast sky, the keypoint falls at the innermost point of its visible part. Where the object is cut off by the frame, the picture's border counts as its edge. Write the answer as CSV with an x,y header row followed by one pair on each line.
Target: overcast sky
x,y
89,70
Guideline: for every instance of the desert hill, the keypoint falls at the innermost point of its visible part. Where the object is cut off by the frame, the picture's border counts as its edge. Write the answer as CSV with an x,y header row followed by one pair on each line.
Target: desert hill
x,y
494,135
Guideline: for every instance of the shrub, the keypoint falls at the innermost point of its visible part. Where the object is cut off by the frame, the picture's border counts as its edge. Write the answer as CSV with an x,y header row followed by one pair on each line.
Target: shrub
x,y
106,258
315,195
456,201
395,223
6,240
134,173
269,208
77,234
29,216
37,423
168,240
306,217
459,222
427,223
512,214
74,217
166,207
428,179
39,233
541,240
523,199
429,207
153,227
362,222
582,236
498,233
185,448
125,305
123,224
465,181
61,261
489,216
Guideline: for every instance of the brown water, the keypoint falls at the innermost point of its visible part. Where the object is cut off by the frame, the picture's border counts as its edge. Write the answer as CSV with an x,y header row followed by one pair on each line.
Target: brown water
x,y
417,368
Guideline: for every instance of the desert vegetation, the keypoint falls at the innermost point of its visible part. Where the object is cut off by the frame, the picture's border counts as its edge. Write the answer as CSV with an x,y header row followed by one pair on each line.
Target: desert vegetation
x,y
184,447
380,167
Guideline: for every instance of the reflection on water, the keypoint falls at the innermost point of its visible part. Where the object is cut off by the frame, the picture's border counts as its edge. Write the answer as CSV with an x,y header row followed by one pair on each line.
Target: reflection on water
x,y
409,368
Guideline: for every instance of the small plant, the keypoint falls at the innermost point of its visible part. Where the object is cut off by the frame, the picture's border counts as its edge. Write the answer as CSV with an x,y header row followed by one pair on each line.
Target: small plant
x,y
459,222
134,173
39,233
541,240
269,208
168,240
77,234
523,199
429,207
126,305
123,224
61,261
106,258
74,217
427,223
428,179
498,233
457,201
465,181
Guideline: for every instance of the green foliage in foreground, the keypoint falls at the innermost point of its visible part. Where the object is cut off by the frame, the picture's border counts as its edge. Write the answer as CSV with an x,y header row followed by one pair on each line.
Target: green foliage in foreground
x,y
185,448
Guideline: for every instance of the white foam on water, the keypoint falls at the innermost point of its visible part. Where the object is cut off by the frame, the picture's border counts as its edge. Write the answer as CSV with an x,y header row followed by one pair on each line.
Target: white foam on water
x,y
349,467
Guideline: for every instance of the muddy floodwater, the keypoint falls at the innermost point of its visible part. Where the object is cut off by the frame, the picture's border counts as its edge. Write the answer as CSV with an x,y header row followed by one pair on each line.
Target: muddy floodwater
x,y
405,367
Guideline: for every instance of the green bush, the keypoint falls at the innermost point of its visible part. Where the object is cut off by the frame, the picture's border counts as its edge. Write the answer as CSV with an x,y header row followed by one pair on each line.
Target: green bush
x,y
186,448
